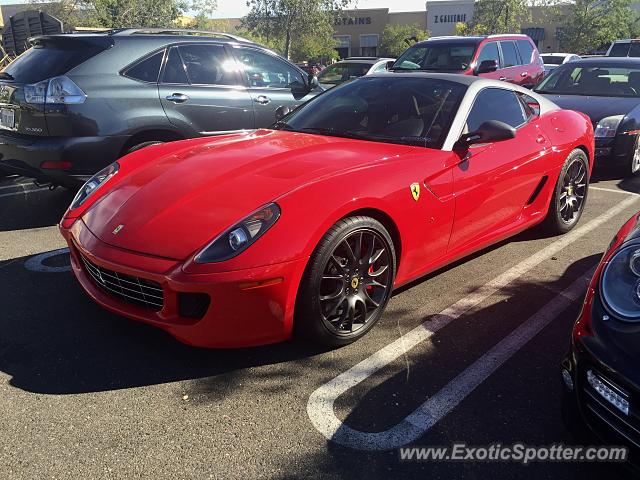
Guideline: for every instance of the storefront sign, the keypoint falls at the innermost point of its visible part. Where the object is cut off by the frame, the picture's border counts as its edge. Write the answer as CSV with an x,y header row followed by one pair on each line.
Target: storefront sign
x,y
460,17
353,21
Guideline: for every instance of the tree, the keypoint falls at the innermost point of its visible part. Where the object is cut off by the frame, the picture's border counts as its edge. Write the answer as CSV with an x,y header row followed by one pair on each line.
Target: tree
x,y
123,13
496,16
396,38
280,22
593,24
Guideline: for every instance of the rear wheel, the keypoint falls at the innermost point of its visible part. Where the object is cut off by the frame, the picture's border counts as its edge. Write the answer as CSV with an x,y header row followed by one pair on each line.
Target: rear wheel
x,y
347,283
570,194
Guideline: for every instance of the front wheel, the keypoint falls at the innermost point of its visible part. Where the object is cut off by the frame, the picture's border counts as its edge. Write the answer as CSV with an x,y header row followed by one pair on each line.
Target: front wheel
x,y
347,283
569,195
633,168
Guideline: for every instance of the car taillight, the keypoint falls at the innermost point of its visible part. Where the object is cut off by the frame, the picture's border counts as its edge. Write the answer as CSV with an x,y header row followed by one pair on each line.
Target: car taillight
x,y
57,90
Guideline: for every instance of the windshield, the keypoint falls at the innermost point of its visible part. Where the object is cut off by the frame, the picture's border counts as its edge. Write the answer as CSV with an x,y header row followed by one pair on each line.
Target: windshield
x,y
552,59
598,80
342,72
437,56
408,111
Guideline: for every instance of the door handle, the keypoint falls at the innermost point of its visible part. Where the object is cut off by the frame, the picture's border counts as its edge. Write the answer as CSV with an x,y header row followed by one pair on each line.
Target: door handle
x,y
262,99
178,97
524,74
502,79
541,139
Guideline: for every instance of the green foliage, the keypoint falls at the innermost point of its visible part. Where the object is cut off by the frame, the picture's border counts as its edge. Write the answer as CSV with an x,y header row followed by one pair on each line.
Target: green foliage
x,y
593,24
123,13
496,16
397,38
301,29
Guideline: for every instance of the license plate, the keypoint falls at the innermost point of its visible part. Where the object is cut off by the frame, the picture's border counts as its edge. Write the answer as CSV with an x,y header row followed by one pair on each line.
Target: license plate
x,y
7,118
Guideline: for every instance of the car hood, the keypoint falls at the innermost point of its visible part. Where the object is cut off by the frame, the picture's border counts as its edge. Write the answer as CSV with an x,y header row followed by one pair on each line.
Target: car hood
x,y
595,107
174,204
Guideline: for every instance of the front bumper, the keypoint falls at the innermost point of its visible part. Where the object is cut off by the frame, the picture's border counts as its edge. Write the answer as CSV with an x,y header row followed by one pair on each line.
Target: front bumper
x,y
247,307
614,151
585,406
24,155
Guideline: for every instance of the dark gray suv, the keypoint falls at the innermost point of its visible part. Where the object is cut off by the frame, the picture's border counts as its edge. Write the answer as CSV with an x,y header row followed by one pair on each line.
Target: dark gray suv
x,y
74,103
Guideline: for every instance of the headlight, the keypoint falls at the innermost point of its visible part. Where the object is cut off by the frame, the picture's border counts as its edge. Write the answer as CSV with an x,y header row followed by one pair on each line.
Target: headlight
x,y
238,238
608,126
620,284
94,183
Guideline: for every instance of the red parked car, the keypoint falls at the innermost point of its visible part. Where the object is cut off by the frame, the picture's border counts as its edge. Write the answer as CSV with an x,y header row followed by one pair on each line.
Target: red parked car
x,y
240,239
511,58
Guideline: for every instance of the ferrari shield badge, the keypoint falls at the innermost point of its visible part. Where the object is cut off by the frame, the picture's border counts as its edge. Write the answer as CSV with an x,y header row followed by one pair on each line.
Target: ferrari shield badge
x,y
117,229
415,191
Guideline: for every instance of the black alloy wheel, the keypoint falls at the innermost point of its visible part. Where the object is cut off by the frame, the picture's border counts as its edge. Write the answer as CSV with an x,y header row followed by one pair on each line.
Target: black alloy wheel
x,y
348,282
570,194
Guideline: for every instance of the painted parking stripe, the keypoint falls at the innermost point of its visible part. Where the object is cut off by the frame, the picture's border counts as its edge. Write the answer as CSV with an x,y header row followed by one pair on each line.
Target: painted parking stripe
x,y
612,190
320,405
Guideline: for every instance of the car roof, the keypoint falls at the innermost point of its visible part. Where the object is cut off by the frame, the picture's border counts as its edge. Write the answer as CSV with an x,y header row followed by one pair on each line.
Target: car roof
x,y
611,61
366,60
457,39
451,77
558,54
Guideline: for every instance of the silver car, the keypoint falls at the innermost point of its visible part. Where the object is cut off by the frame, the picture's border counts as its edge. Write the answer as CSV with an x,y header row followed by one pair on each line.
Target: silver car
x,y
350,68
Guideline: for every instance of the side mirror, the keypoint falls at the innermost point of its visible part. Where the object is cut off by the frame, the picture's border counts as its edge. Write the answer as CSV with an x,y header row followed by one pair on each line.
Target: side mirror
x,y
282,112
487,66
489,131
389,65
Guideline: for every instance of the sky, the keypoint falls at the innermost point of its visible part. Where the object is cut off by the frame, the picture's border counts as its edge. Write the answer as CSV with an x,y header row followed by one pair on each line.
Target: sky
x,y
238,8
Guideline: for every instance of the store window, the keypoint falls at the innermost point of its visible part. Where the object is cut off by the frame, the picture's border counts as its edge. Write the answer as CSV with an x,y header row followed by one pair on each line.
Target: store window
x,y
344,45
369,45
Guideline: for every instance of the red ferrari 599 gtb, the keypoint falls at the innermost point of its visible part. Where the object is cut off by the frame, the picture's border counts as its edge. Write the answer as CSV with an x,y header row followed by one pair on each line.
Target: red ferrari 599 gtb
x,y
241,239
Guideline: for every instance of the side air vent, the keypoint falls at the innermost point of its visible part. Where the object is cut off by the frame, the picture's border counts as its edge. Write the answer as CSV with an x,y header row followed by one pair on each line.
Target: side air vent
x,y
537,190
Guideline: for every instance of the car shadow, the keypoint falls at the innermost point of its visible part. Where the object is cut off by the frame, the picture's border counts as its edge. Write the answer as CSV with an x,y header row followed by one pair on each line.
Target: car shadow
x,y
520,402
23,205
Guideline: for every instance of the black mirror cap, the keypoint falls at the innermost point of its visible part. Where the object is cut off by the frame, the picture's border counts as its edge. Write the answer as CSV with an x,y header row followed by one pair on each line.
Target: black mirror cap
x,y
487,66
389,65
312,82
282,112
490,131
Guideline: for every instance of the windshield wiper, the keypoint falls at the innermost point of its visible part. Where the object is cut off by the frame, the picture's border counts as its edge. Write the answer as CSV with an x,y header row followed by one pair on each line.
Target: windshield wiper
x,y
334,132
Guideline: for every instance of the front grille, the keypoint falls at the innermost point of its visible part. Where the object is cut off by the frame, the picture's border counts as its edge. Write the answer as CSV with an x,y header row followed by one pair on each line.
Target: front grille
x,y
138,291
601,412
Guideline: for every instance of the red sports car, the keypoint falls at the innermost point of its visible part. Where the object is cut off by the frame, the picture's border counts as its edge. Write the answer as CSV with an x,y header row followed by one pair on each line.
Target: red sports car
x,y
243,239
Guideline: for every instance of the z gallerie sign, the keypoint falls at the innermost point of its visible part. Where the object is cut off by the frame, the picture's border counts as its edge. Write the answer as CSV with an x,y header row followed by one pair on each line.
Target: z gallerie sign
x,y
459,17
353,21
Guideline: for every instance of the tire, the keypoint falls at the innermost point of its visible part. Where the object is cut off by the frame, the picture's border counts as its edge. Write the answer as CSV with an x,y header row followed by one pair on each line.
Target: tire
x,y
339,299
633,167
142,145
565,213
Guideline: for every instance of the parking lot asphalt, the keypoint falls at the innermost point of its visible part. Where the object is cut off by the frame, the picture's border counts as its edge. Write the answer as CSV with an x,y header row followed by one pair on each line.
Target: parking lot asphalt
x,y
477,345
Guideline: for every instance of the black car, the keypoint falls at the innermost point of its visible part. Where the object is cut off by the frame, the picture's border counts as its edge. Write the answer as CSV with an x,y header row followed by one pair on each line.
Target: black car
x,y
607,90
601,374
74,103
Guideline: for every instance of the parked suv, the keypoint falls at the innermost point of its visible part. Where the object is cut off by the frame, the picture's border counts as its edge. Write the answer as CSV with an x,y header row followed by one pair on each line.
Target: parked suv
x,y
74,103
512,58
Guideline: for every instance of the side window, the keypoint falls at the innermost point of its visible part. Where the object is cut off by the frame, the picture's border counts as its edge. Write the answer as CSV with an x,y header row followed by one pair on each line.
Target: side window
x,y
174,71
380,68
620,49
509,54
147,70
264,70
496,104
489,52
526,51
208,65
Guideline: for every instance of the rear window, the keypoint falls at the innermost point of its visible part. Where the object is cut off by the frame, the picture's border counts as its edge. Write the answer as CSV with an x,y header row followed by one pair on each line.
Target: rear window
x,y
552,59
342,72
45,61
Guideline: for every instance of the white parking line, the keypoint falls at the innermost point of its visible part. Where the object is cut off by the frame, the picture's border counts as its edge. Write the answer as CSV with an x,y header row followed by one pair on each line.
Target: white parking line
x,y
320,405
612,190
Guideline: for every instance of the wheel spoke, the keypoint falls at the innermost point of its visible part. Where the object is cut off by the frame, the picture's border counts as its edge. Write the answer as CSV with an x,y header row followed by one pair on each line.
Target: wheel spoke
x,y
376,256
335,308
370,300
358,250
378,272
333,277
331,296
351,315
337,263
352,255
374,283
